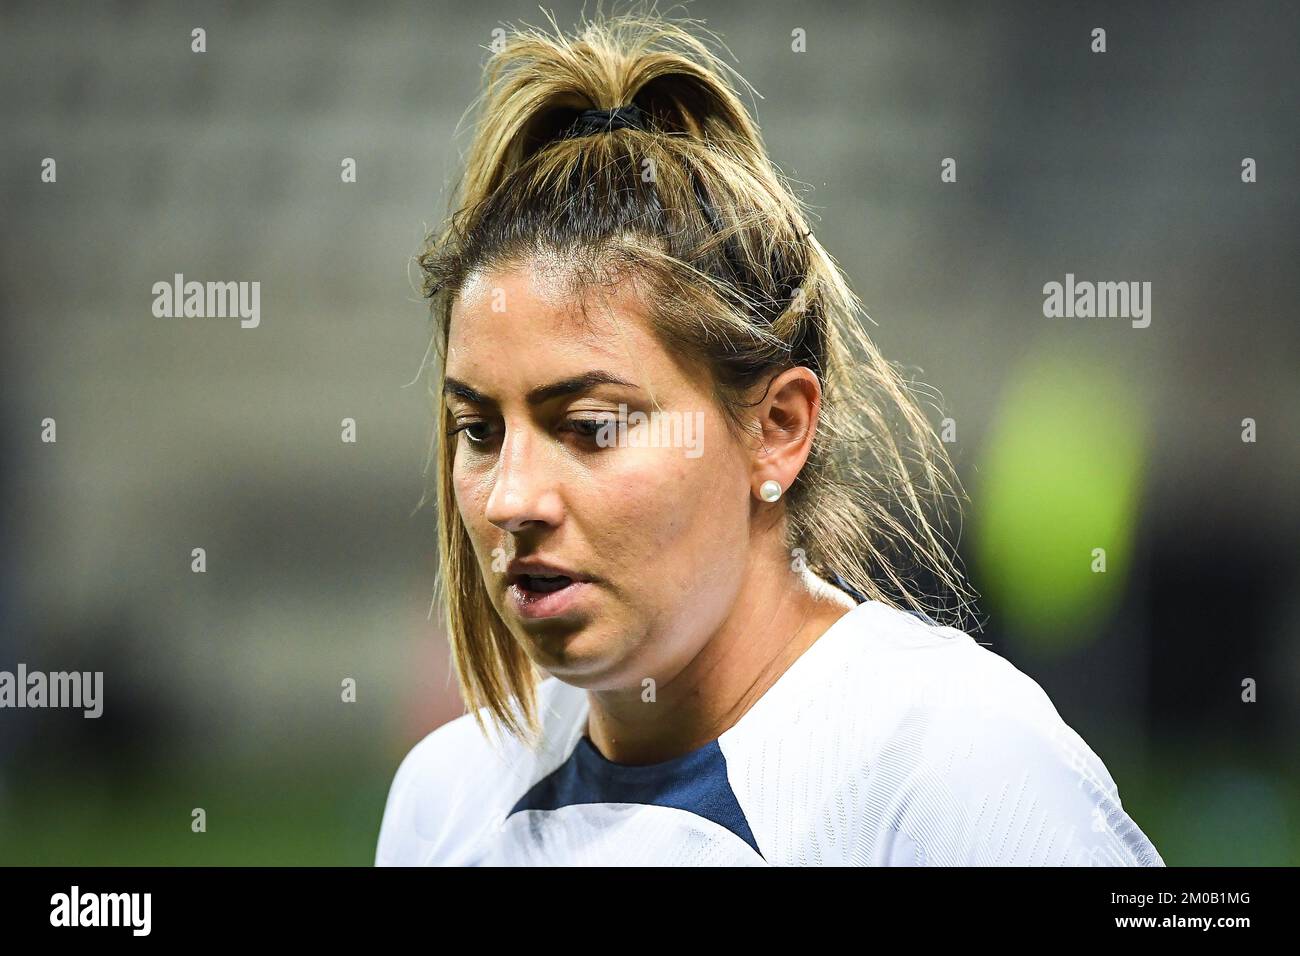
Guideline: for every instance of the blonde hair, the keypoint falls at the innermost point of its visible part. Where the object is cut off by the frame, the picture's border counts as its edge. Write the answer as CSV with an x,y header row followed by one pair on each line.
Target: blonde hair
x,y
739,284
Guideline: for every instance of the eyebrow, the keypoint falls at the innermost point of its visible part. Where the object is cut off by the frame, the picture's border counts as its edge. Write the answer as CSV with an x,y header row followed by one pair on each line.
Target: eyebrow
x,y
542,393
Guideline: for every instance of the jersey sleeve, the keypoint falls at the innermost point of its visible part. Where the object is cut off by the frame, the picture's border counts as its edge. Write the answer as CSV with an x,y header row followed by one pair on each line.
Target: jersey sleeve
x,y
446,793
430,805
1011,784
400,844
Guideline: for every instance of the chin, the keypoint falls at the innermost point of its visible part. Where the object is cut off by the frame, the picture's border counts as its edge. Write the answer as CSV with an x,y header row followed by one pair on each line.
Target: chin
x,y
581,658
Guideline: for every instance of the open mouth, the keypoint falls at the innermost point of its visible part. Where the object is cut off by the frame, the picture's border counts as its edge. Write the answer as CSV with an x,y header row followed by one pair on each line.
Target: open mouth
x,y
542,583
537,596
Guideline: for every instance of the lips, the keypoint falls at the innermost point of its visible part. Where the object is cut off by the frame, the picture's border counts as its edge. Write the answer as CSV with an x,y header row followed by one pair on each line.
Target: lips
x,y
540,589
543,583
544,574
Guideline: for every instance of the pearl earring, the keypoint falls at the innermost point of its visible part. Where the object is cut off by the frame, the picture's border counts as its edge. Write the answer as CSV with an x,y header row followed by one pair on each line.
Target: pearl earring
x,y
769,490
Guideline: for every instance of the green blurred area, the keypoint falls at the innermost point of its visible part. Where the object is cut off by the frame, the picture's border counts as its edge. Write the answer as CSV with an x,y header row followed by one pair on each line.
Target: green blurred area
x,y
260,815
1058,500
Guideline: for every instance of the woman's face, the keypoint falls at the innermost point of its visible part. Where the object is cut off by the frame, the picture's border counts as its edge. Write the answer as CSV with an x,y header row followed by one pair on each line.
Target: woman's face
x,y
647,523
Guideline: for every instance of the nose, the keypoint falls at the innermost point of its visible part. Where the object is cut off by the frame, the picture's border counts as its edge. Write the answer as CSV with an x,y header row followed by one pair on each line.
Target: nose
x,y
524,491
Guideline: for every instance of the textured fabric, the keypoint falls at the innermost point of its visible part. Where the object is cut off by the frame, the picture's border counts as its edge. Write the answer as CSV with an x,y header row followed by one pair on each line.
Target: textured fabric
x,y
889,742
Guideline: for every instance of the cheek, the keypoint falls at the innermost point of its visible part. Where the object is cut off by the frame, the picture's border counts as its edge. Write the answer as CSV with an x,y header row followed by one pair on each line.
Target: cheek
x,y
471,501
714,516
675,515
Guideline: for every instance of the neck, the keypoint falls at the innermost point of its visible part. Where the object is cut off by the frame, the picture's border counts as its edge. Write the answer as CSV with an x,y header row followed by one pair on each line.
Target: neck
x,y
778,616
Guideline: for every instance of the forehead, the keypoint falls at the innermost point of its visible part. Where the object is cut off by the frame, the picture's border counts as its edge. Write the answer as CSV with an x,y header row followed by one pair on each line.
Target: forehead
x,y
528,317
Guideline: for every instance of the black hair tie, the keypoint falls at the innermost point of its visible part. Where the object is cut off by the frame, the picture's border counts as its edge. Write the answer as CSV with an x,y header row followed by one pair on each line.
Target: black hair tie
x,y
630,116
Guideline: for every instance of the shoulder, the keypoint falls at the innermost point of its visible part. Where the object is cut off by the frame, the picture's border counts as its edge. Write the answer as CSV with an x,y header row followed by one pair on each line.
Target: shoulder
x,y
989,772
924,747
457,780
878,665
429,790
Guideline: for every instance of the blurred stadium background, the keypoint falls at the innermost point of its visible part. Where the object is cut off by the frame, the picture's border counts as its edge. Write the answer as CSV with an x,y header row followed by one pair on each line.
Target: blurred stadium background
x,y
223,689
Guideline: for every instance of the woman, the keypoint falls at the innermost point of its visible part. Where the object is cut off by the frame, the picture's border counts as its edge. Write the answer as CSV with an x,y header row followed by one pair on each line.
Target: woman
x,y
683,502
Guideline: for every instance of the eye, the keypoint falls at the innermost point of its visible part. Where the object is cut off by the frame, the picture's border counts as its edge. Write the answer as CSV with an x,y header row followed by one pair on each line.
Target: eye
x,y
591,426
588,427
476,433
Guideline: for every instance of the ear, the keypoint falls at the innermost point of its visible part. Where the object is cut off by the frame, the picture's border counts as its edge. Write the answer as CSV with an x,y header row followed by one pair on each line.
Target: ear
x,y
787,417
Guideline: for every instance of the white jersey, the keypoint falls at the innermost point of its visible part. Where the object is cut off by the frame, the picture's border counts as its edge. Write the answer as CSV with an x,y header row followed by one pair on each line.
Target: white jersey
x,y
888,742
